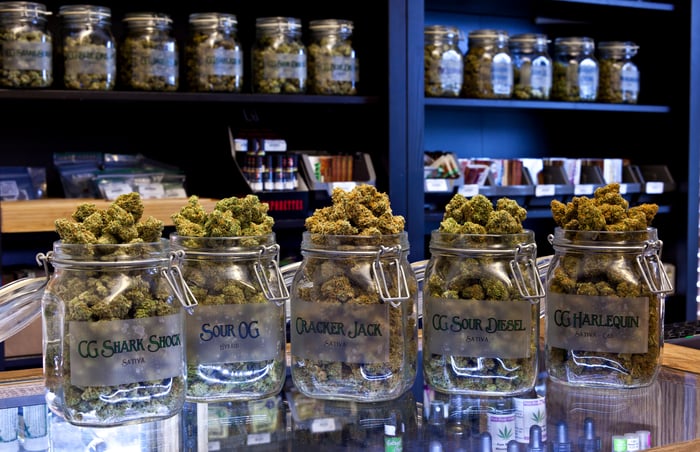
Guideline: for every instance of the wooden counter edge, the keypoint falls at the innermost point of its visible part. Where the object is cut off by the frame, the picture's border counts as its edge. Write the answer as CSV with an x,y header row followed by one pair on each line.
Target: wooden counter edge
x,y
685,446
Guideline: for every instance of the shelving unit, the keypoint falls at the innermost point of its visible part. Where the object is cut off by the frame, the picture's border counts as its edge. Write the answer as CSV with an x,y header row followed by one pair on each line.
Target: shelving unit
x,y
655,131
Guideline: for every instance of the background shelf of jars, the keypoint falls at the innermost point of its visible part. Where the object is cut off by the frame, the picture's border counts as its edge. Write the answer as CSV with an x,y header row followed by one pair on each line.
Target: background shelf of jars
x,y
651,133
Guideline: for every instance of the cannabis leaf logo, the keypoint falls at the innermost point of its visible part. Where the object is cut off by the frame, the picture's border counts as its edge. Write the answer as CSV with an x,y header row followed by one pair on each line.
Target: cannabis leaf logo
x,y
505,433
538,417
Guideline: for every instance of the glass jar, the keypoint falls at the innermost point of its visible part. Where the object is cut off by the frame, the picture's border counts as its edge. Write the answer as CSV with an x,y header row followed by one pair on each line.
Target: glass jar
x,y
279,56
26,43
604,310
575,70
619,75
236,338
213,54
488,66
481,297
88,47
532,66
353,328
443,61
149,59
113,333
333,65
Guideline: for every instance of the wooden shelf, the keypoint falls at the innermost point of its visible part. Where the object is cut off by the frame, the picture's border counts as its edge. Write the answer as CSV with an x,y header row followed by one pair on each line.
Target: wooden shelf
x,y
39,215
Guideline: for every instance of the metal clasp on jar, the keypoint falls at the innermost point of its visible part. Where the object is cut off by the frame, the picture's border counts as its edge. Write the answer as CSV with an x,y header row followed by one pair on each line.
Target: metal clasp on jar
x,y
379,275
651,255
523,255
271,252
173,275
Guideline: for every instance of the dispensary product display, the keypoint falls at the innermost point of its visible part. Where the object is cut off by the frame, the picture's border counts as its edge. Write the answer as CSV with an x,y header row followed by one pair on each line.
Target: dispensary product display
x,y
213,55
149,54
353,327
27,45
488,66
606,287
619,75
532,66
443,62
114,350
279,56
481,300
88,47
333,66
575,72
236,337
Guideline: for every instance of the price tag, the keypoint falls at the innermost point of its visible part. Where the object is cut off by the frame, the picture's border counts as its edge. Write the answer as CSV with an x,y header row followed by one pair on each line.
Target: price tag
x,y
258,438
544,190
583,189
654,188
623,189
347,186
9,190
151,190
323,425
469,190
433,185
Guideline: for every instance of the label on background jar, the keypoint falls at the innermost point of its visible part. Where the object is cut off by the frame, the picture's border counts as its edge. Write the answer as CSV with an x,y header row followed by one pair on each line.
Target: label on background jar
x,y
89,59
629,80
540,77
220,61
588,80
26,56
502,75
597,323
153,63
284,65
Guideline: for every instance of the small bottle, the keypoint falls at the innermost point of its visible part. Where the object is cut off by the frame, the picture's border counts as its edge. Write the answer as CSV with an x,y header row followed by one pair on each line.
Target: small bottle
x,y
488,66
532,66
149,58
279,56
88,47
443,62
332,62
575,73
26,43
213,55
619,75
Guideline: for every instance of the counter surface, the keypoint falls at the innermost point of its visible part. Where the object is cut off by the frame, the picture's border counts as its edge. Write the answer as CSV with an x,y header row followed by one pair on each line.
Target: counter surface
x,y
669,409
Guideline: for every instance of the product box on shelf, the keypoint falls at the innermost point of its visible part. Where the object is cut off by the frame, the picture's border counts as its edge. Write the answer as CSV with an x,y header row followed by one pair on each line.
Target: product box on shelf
x,y
324,172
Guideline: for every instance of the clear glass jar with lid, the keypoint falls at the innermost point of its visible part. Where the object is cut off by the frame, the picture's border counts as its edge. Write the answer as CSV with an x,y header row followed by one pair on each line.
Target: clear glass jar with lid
x,y
333,66
279,56
353,329
148,53
619,75
213,54
481,298
575,73
532,66
27,45
605,305
236,337
113,332
443,61
88,47
488,65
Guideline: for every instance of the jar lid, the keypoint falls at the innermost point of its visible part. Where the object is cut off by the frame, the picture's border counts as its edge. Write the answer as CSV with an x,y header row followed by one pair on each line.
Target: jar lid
x,y
148,19
446,31
487,33
340,25
84,12
225,20
279,23
628,47
525,39
575,43
25,9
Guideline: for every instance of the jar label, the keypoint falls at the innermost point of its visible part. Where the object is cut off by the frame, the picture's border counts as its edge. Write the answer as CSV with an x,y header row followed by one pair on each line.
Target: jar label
x,y
629,79
483,328
502,75
148,63
340,332
541,78
220,61
336,68
594,323
235,333
284,65
89,59
118,352
588,80
26,56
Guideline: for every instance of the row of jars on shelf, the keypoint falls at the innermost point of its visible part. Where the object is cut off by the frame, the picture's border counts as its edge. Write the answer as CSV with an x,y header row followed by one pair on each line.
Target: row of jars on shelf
x,y
499,66
147,58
